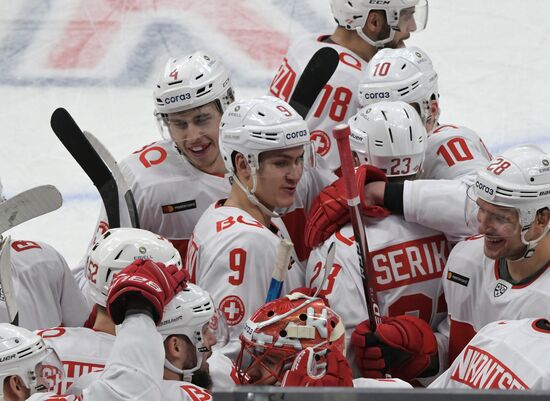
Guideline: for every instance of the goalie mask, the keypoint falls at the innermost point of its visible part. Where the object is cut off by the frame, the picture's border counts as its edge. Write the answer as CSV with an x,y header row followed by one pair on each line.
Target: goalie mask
x,y
118,248
405,74
24,354
278,331
192,314
400,16
390,136
258,125
519,179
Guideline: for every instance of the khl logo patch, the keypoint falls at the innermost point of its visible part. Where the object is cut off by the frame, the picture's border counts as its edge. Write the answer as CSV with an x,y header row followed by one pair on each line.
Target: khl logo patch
x,y
500,289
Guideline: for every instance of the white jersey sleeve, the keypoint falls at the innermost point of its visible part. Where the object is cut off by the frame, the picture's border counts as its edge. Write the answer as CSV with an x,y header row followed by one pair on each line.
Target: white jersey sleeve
x,y
442,205
46,292
135,366
231,256
81,351
476,294
221,371
336,102
408,262
453,152
504,355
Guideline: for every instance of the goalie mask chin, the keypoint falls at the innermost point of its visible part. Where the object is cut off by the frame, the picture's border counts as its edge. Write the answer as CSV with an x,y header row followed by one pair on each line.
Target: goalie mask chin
x,y
278,331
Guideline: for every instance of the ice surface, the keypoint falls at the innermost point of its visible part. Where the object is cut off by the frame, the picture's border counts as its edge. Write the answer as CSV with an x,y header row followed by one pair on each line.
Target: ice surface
x,y
99,58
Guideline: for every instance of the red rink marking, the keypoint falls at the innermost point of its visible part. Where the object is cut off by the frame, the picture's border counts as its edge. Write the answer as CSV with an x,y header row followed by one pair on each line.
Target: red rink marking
x,y
88,35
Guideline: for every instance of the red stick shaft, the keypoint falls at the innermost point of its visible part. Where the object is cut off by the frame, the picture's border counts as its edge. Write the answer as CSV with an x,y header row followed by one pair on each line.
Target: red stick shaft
x,y
341,133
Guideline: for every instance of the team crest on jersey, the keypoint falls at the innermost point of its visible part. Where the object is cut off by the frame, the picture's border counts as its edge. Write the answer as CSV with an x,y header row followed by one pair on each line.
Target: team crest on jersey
x,y
500,289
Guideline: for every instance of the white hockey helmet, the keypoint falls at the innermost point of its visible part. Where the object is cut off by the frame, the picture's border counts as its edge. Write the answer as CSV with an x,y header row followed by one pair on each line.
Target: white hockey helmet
x,y
390,136
258,125
519,178
352,15
118,248
192,313
24,354
405,74
190,81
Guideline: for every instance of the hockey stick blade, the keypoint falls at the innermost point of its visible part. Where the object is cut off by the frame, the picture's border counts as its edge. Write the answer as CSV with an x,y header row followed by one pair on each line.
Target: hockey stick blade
x,y
29,204
122,185
316,74
329,262
7,282
341,133
72,137
282,259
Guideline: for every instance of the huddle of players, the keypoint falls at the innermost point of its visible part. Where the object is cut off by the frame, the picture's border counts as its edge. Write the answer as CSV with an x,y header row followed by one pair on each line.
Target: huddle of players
x,y
434,296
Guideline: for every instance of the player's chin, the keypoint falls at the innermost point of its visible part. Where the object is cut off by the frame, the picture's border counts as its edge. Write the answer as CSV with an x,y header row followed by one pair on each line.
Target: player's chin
x,y
286,198
493,247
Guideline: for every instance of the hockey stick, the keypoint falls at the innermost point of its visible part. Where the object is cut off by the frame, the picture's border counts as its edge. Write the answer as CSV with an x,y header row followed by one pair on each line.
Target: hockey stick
x,y
7,282
317,73
341,133
282,258
328,266
71,136
27,205
18,209
110,161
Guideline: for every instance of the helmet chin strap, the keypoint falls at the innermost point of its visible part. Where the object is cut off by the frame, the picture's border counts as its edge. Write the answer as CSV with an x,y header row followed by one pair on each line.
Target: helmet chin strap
x,y
531,245
379,43
186,373
250,194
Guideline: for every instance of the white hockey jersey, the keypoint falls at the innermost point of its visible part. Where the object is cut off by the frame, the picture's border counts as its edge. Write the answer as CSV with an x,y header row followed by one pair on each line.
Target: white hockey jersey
x,y
336,102
408,260
81,351
453,152
231,255
173,390
170,193
505,355
476,294
133,370
45,290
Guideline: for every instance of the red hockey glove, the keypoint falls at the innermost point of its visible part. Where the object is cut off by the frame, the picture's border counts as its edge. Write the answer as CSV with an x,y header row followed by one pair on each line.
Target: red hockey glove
x,y
330,211
304,371
403,346
145,279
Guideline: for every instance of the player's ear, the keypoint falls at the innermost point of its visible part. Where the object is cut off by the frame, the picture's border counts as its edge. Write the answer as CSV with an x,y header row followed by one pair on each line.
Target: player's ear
x,y
171,347
375,23
543,217
14,389
241,166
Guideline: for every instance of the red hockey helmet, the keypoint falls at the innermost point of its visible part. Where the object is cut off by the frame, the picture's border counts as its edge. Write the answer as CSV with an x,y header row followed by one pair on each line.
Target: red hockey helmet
x,y
278,331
